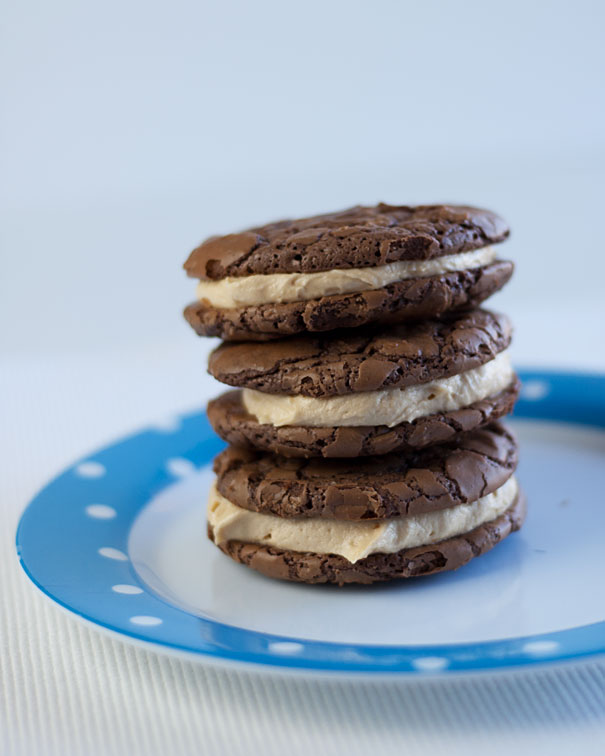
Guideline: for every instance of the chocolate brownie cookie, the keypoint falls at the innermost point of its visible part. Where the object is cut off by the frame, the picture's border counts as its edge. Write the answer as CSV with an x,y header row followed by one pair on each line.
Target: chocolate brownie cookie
x,y
382,264
380,518
366,392
394,485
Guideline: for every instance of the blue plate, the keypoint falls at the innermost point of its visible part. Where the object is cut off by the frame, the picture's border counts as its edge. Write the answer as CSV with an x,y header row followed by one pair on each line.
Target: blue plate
x,y
118,539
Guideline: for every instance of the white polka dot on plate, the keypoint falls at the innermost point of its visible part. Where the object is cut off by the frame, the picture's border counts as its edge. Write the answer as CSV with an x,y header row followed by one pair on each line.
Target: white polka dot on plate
x,y
180,468
110,553
130,590
146,620
540,647
167,424
90,470
100,511
533,391
285,647
430,663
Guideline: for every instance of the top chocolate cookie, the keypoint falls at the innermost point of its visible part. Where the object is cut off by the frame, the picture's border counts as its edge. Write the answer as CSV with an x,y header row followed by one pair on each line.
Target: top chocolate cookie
x,y
354,238
382,264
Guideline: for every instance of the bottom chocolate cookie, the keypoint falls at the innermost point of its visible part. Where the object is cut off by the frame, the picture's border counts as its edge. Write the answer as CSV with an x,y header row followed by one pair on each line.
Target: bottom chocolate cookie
x,y
308,567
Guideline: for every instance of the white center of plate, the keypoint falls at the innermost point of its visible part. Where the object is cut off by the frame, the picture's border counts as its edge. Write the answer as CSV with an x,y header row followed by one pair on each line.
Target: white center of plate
x,y
540,580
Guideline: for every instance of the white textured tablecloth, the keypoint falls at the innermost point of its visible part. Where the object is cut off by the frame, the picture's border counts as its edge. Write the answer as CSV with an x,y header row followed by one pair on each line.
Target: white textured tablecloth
x,y
69,689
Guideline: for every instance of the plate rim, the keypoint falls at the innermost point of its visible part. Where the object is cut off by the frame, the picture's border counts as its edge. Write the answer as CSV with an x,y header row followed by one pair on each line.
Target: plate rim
x,y
559,396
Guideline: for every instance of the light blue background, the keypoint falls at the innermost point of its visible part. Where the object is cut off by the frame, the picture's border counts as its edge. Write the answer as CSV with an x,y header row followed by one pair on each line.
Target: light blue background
x,y
132,130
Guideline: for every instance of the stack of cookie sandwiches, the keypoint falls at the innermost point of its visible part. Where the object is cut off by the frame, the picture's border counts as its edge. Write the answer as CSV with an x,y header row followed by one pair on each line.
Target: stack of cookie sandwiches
x,y
363,422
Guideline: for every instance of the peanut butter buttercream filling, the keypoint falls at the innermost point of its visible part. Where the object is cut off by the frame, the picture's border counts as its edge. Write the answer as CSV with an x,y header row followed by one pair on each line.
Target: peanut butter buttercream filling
x,y
246,291
388,407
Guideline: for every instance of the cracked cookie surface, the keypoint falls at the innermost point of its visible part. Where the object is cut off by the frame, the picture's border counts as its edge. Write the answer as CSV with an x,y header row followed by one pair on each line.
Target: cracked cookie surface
x,y
353,238
438,477
364,360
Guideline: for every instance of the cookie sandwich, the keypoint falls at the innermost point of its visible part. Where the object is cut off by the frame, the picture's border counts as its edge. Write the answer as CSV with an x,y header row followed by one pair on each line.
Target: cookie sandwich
x,y
364,265
365,392
363,521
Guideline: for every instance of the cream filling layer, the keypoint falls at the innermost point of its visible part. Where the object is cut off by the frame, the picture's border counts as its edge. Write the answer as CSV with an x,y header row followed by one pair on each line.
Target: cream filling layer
x,y
257,289
385,407
354,540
